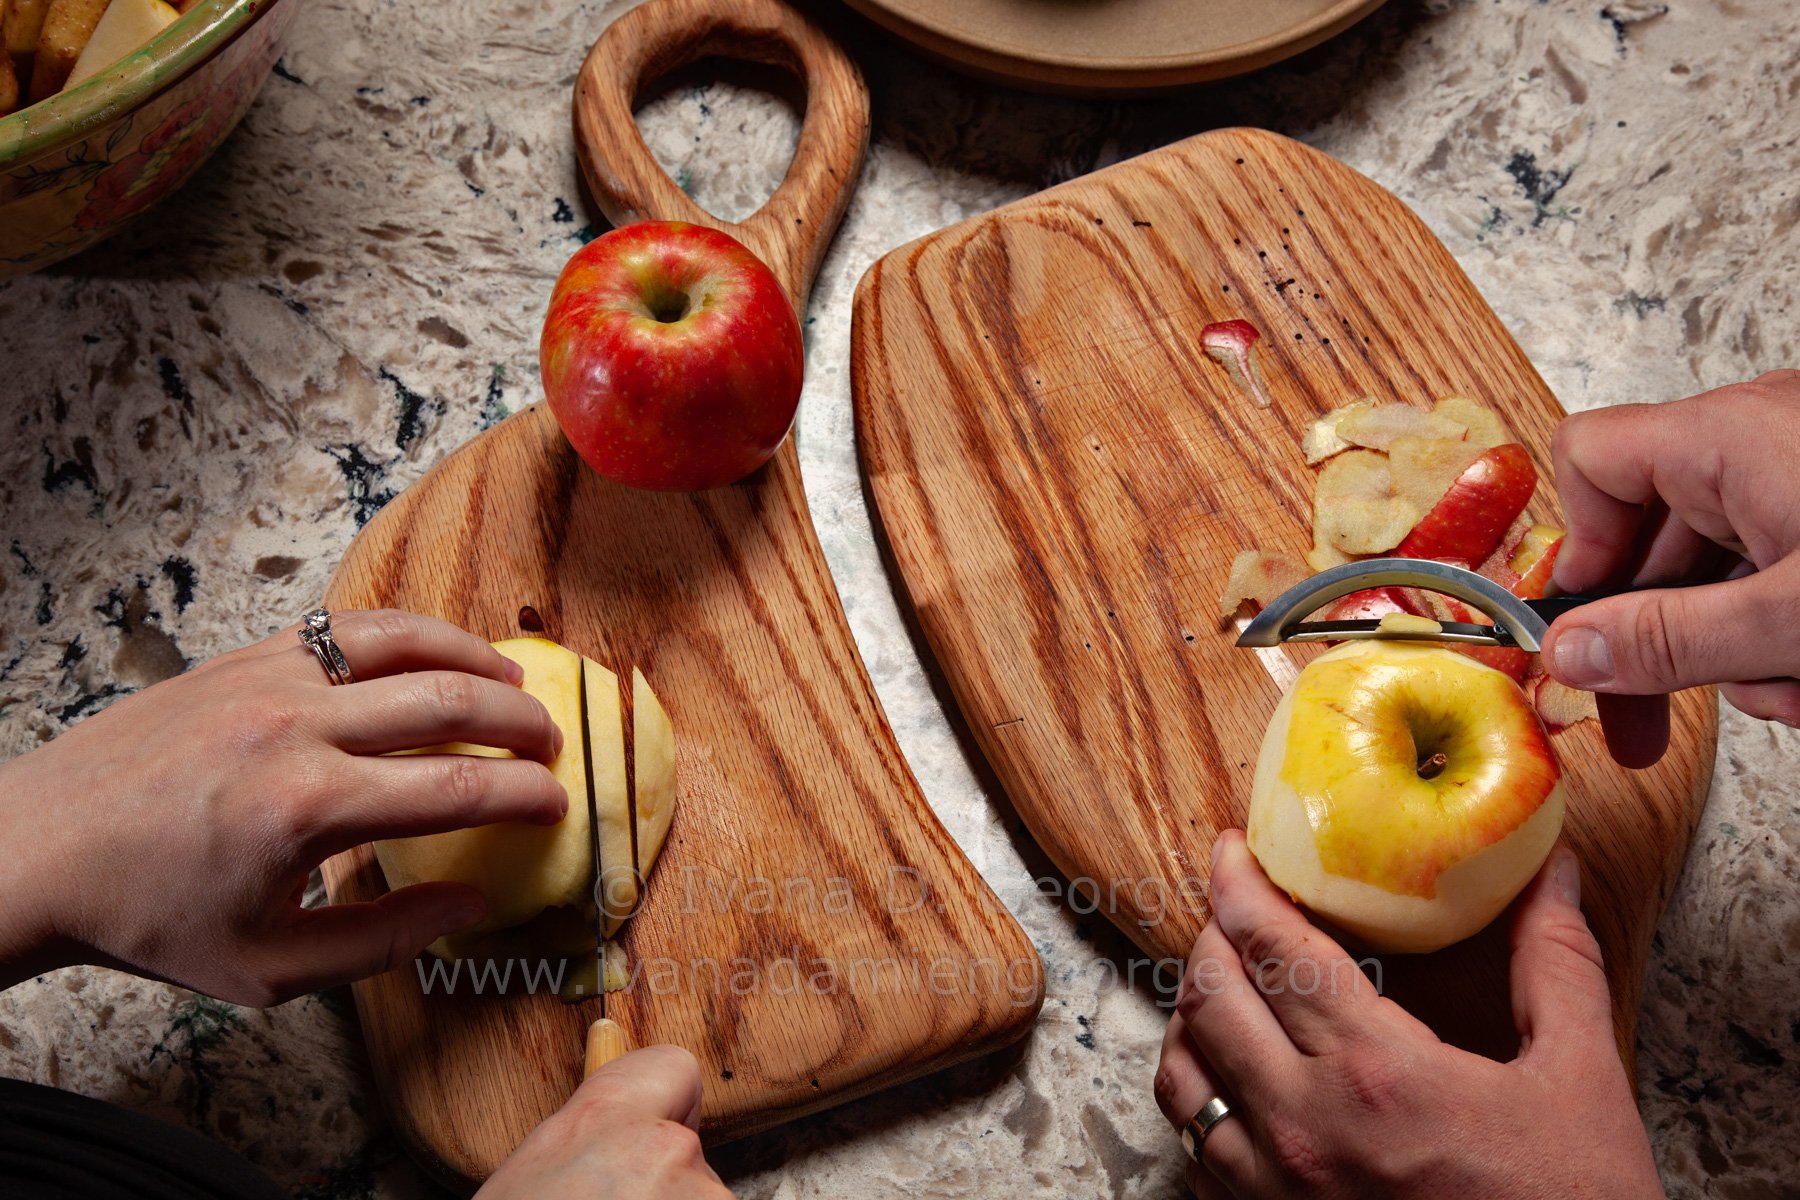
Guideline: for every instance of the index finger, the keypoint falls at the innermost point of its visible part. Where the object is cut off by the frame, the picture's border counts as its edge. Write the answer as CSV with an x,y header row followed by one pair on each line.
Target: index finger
x,y
1314,988
1604,525
392,641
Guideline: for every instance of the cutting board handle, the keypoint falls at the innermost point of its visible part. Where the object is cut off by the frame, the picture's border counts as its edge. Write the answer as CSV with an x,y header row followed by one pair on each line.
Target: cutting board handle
x,y
792,229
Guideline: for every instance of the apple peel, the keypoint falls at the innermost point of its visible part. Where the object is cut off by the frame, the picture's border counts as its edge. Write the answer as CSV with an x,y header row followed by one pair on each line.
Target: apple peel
x,y
1379,426
1560,706
1322,439
1232,344
1258,576
1355,507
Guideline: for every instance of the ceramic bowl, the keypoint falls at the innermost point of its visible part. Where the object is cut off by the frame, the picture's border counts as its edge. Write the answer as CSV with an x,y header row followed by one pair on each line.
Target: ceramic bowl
x,y
78,166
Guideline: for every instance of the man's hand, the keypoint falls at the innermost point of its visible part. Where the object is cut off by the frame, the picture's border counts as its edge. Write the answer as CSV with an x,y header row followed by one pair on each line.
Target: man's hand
x,y
1337,1092
1699,491
173,834
626,1134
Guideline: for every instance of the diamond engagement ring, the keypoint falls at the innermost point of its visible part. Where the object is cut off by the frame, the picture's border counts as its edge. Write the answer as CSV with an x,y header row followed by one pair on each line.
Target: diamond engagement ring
x,y
315,634
1193,1134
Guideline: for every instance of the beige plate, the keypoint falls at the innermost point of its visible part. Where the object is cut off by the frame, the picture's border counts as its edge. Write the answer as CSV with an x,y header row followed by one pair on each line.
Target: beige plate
x,y
1112,47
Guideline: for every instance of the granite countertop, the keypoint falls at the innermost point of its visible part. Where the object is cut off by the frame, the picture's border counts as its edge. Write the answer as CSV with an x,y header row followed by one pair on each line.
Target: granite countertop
x,y
199,415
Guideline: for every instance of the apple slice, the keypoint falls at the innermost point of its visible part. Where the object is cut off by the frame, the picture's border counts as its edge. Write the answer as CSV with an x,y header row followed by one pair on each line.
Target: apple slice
x,y
618,887
520,869
1476,511
1355,507
1258,576
653,763
1498,566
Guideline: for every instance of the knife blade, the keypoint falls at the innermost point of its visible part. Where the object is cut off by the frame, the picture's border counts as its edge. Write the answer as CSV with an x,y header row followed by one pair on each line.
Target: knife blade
x,y
606,1038
1517,622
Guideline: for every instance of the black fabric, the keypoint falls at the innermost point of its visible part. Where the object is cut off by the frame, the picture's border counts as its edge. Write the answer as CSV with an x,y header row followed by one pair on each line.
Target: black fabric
x,y
55,1145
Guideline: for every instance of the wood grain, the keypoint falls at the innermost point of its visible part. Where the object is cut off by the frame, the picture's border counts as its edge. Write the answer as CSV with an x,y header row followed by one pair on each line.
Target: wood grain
x,y
811,932
1062,478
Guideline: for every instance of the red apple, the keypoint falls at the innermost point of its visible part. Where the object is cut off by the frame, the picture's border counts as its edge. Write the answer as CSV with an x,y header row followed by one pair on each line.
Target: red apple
x,y
1475,513
1372,604
671,357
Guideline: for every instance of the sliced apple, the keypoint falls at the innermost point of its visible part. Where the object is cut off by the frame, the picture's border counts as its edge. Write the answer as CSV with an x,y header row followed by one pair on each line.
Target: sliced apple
x,y
520,869
1259,576
617,890
1232,344
653,768
1476,511
126,25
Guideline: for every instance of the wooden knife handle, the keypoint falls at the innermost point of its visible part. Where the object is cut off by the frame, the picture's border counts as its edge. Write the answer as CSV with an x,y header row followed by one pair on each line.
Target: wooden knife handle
x,y
606,1041
792,229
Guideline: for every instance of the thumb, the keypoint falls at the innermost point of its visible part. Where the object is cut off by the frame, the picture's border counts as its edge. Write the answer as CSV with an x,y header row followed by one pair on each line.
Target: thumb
x,y
659,1083
341,943
1662,640
1559,994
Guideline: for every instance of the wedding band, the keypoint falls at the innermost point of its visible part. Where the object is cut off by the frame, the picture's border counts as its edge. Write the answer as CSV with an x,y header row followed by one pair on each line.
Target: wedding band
x,y
315,634
1193,1134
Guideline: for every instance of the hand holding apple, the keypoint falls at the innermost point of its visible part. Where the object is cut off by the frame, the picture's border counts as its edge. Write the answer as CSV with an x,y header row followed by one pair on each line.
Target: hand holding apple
x,y
671,356
172,834
1337,1092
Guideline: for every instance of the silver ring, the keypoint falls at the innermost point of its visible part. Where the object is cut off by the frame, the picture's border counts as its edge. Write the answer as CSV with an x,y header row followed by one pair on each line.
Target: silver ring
x,y
315,634
1193,1134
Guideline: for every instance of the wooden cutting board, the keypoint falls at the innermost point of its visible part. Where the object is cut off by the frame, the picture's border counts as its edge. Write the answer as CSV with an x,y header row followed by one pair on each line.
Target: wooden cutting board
x,y
1063,477
811,932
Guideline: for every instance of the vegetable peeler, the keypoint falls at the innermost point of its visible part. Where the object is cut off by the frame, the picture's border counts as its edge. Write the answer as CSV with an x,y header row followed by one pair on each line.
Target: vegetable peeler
x,y
1517,622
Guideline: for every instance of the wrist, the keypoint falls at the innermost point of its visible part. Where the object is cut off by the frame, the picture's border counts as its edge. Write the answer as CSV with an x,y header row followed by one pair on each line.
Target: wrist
x,y
32,937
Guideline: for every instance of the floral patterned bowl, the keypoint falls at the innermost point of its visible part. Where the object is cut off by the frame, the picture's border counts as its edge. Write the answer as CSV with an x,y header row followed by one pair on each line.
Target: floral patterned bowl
x,y
76,167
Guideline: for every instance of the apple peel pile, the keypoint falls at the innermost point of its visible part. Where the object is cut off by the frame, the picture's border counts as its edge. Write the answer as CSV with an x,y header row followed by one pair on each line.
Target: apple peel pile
x,y
1446,483
538,880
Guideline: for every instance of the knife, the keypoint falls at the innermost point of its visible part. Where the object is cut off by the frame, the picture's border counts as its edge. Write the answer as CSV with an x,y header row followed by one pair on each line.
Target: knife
x,y
1517,622
606,1038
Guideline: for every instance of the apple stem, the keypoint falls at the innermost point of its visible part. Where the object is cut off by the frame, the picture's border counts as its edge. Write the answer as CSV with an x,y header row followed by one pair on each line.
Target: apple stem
x,y
1432,767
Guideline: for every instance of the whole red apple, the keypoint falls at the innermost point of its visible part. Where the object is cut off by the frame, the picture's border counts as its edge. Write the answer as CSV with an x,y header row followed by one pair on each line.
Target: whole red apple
x,y
671,357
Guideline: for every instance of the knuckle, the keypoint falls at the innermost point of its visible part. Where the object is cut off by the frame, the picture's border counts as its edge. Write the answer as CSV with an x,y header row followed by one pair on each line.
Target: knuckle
x,y
1652,646
454,695
1271,947
1296,1150
1374,1082
672,1142
391,627
1165,1085
462,782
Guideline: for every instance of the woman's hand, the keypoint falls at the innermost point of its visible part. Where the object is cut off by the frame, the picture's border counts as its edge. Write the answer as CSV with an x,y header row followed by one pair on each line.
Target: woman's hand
x,y
1337,1092
173,833
626,1134
1701,491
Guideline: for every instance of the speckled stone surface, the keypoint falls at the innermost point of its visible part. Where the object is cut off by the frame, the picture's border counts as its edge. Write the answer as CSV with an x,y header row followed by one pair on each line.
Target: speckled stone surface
x,y
197,417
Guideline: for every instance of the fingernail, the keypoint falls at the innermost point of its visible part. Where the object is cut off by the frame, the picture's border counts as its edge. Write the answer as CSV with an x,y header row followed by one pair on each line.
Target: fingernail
x,y
1565,873
1582,658
1218,847
558,740
515,674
